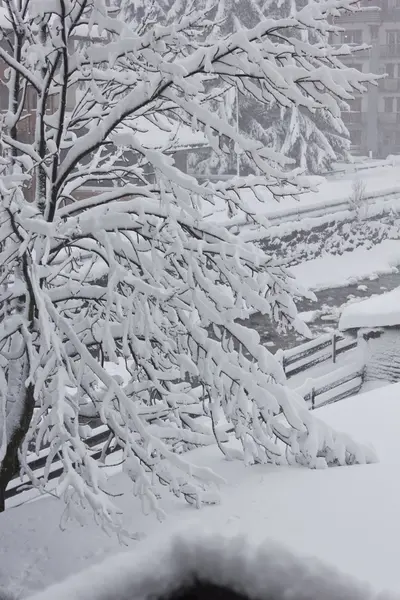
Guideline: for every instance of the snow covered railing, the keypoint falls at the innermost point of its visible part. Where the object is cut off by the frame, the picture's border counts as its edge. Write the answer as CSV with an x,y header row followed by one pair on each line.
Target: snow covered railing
x,y
332,387
331,207
100,444
317,392
362,166
307,355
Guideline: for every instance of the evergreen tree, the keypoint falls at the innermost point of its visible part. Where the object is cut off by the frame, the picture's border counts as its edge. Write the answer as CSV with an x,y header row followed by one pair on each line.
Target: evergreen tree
x,y
313,140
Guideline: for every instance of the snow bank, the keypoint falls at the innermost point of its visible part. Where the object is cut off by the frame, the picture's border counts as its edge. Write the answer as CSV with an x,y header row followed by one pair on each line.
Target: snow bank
x,y
332,271
378,311
258,573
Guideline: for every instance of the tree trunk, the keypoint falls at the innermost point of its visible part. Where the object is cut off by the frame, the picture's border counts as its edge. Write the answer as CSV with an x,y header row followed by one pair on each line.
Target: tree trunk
x,y
10,466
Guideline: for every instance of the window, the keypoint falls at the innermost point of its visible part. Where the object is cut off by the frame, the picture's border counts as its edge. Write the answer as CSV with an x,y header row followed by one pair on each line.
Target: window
x,y
355,105
356,138
388,104
389,70
387,138
398,104
333,38
397,138
352,36
374,32
393,38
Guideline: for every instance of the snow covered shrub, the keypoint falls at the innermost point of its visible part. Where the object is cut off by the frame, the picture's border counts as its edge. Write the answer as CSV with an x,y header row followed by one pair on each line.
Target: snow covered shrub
x,y
330,234
106,258
358,201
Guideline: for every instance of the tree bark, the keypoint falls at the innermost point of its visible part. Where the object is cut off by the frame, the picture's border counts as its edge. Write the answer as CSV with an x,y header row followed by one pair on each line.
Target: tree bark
x,y
10,465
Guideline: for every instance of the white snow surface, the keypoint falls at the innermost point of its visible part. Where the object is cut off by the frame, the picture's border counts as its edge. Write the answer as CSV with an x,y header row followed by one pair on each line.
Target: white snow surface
x,y
166,135
348,517
379,311
331,271
265,572
380,181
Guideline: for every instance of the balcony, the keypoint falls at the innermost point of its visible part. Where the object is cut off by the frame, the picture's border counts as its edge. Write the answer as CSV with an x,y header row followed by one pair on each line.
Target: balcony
x,y
352,117
390,15
389,85
390,51
367,16
392,118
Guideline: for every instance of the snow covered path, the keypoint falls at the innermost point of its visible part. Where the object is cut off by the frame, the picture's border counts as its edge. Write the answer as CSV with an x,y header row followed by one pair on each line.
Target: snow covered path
x,y
347,516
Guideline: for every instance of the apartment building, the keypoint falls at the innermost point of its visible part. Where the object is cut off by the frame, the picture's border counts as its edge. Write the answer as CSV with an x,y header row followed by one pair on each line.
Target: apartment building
x,y
374,118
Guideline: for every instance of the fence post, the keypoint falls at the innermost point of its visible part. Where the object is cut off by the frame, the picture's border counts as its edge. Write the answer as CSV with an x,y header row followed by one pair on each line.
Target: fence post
x,y
334,347
313,398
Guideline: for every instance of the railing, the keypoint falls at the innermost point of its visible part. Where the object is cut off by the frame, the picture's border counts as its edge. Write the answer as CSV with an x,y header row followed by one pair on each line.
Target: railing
x,y
337,385
329,207
366,16
307,355
37,464
317,392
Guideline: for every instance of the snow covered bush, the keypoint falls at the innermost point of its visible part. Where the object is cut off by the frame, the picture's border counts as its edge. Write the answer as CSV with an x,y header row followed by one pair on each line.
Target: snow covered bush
x,y
105,256
357,201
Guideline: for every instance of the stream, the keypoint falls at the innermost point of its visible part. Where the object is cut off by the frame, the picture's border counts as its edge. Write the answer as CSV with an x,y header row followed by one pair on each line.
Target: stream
x,y
327,304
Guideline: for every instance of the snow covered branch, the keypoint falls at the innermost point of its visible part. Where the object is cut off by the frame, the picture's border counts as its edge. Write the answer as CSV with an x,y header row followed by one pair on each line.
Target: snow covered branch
x,y
106,256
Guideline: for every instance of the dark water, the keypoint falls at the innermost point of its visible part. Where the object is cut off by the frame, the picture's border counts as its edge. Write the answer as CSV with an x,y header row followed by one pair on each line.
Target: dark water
x,y
328,301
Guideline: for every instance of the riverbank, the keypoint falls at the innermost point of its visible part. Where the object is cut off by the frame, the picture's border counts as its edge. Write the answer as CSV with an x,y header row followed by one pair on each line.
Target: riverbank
x,y
336,281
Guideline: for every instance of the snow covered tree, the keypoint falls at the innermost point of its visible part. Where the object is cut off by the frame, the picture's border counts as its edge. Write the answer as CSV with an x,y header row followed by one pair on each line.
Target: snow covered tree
x,y
106,256
313,140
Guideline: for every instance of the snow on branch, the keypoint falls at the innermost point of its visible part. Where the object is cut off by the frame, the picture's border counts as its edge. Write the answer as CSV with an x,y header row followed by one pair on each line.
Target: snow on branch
x,y
106,256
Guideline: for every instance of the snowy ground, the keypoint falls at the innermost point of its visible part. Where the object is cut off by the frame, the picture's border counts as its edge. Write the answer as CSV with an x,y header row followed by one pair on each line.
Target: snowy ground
x,y
347,516
382,180
330,271
378,311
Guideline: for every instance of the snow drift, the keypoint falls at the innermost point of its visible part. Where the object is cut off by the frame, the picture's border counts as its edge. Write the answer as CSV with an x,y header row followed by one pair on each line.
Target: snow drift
x,y
267,572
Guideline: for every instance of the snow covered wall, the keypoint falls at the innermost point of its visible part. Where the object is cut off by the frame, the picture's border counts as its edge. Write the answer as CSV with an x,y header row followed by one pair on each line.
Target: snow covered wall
x,y
377,320
209,567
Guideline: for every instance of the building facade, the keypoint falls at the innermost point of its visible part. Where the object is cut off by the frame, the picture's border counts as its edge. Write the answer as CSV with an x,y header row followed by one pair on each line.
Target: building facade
x,y
374,118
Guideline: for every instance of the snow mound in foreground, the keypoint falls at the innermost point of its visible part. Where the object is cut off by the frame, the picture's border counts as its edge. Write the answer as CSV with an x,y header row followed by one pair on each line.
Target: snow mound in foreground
x,y
265,572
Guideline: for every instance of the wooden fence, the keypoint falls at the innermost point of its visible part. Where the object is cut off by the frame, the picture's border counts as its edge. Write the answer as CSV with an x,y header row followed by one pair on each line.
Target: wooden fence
x,y
339,384
326,347
334,386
